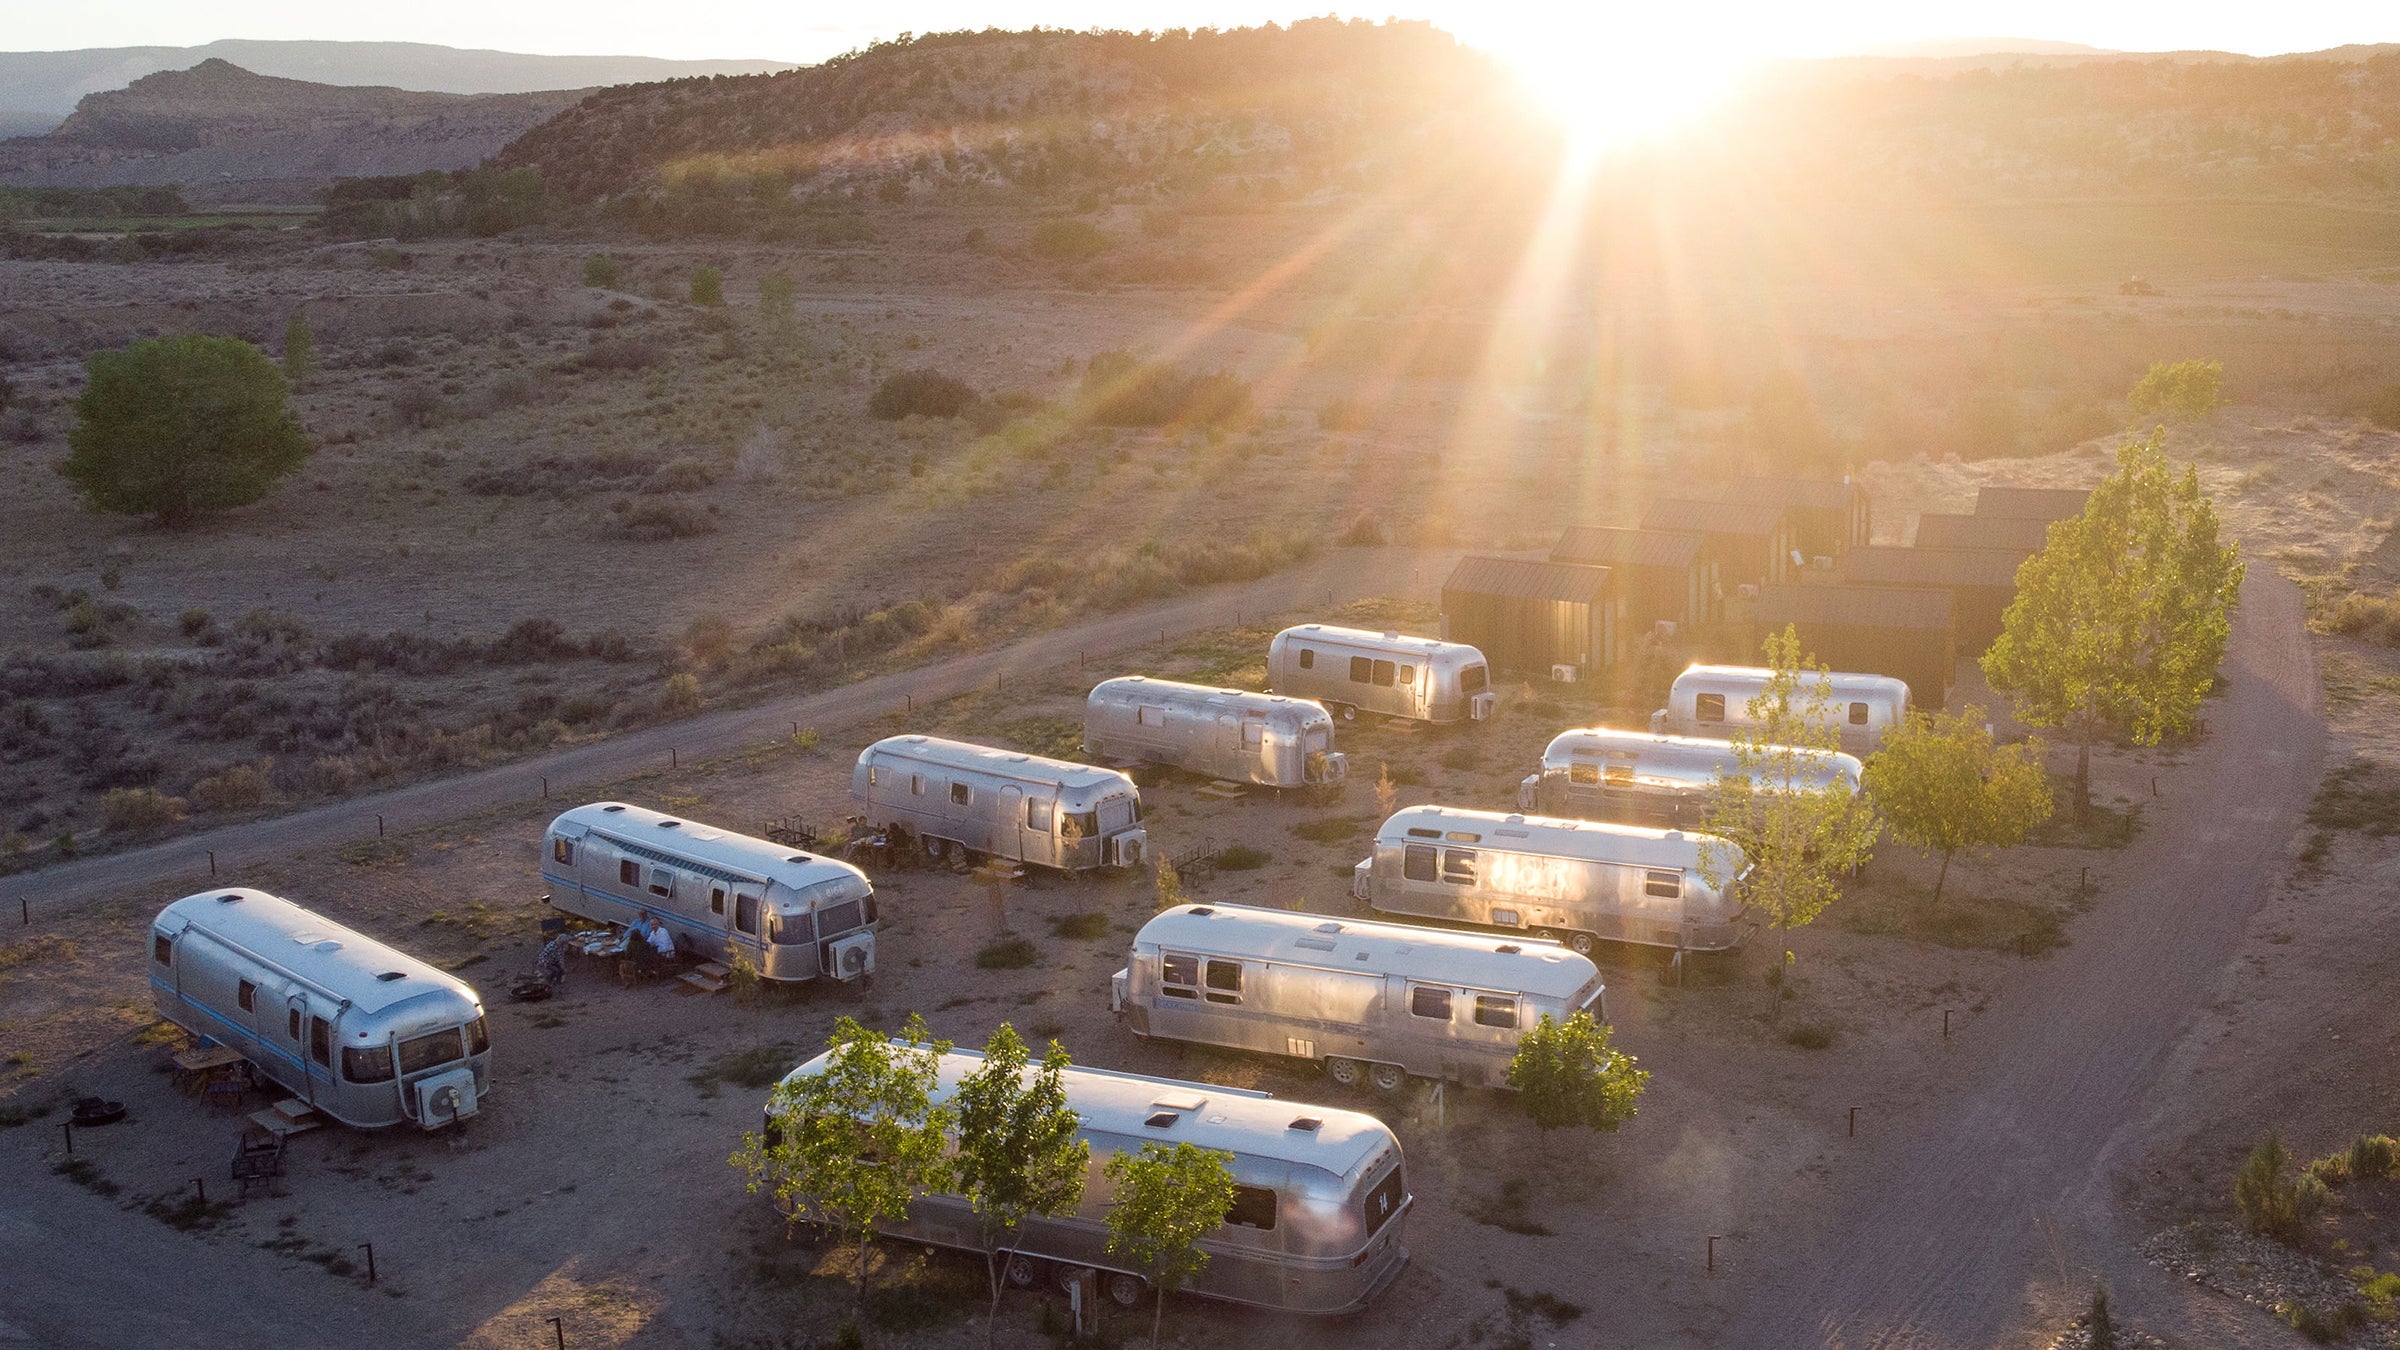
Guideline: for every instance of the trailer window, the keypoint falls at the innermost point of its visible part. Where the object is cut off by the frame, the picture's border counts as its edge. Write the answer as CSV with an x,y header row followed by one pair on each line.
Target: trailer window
x,y
1858,714
1663,885
246,994
1037,815
1381,1205
1224,981
662,881
916,785
1383,674
629,873
1179,976
1083,825
562,850
427,1051
479,1036
1416,862
1427,1002
835,920
1362,670
961,794
1583,771
1458,866
874,775
1254,734
367,1063
745,914
1308,658
1495,1010
1708,708
320,1041
292,1024
1146,716
1408,677
791,930
1471,679
1620,773
1253,1207
162,949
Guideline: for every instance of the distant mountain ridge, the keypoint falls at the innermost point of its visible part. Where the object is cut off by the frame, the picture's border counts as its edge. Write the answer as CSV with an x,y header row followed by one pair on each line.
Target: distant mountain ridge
x,y
52,83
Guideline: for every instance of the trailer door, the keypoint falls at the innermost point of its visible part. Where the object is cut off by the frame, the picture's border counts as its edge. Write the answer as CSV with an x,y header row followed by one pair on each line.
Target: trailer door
x,y
1008,840
1041,828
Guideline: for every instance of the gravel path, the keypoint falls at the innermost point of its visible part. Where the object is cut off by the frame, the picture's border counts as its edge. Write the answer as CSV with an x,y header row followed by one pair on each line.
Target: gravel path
x,y
2001,1179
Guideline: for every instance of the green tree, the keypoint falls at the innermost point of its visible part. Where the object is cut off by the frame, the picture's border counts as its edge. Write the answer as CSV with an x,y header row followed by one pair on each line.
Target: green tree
x,y
174,427
2185,389
858,1139
1942,784
603,272
708,287
1018,1155
1167,1200
299,351
775,301
2121,619
1568,1074
1794,827
2273,1200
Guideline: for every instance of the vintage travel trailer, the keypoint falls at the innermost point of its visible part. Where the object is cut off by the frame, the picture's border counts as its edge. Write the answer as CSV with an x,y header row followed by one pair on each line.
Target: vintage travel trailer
x,y
1578,881
1264,739
798,915
363,1033
1641,778
1418,678
1715,700
1371,1002
1320,1194
1021,808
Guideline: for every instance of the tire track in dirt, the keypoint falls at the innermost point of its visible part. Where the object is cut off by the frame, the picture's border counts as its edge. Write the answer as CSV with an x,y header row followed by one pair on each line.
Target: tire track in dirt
x,y
1997,1182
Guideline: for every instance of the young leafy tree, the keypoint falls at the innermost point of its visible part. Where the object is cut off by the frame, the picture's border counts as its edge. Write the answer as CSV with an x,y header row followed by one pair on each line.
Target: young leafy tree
x,y
603,272
1568,1074
1795,827
1167,1200
1942,784
776,294
299,351
174,427
708,287
858,1140
2185,389
1018,1155
2121,619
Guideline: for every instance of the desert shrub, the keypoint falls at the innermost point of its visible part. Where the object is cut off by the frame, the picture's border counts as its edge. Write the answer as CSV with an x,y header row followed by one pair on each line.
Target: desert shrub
x,y
708,287
331,775
655,520
236,789
919,393
2383,407
513,390
178,427
2374,1157
618,355
2188,389
613,645
197,624
603,272
1810,1036
681,694
1009,953
2273,1202
1081,927
1242,858
709,639
394,352
406,653
141,808
1365,530
564,476
418,405
1156,395
760,457
2372,618
684,473
1068,240
530,640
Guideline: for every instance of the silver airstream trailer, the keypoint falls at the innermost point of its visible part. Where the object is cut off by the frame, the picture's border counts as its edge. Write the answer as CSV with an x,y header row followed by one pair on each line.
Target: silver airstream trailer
x,y
798,915
1639,778
1022,808
1369,1001
1715,700
1265,739
1579,881
1320,1194
365,1034
1422,679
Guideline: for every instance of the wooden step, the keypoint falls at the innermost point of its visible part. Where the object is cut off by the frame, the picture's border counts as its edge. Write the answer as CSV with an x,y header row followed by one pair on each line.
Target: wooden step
x,y
284,1126
1223,791
706,984
715,970
1404,726
994,872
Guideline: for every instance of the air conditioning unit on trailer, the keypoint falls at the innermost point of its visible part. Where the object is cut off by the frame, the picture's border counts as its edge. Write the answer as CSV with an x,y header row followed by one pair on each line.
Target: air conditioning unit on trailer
x,y
852,957
445,1097
1127,849
1663,630
1562,674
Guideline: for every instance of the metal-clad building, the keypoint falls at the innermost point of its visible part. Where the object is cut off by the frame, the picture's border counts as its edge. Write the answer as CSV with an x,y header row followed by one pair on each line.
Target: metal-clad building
x,y
1530,616
1901,631
2006,534
1669,577
1980,583
1829,517
2023,503
1752,541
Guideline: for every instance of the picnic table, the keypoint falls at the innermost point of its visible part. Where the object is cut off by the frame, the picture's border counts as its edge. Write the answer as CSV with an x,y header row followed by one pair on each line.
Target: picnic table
x,y
196,1067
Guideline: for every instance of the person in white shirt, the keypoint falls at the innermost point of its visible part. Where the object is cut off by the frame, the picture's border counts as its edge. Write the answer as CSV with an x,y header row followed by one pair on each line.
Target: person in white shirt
x,y
661,941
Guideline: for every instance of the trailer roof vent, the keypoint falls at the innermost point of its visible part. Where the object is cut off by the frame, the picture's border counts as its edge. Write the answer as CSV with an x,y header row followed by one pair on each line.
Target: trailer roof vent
x,y
798,858
1517,819
669,824
1511,834
309,939
230,898
613,807
1306,1124
1329,927
390,975
329,945
1391,633
1160,1120
1508,949
1315,944
1674,834
1201,911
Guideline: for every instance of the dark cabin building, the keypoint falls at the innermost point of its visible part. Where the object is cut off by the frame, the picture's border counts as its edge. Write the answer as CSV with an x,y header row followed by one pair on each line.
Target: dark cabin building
x,y
2022,503
2002,534
1667,577
1752,542
1903,631
1980,583
1530,616
1829,518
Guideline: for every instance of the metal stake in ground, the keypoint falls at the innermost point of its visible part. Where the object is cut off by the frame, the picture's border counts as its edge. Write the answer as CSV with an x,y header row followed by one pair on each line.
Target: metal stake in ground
x,y
200,1187
1712,1252
369,1248
1854,1122
67,1127
1945,1024
559,1325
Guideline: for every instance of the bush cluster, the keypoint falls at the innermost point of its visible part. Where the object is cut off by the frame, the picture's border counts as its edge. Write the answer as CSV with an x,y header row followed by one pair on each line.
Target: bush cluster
x,y
919,393
1120,391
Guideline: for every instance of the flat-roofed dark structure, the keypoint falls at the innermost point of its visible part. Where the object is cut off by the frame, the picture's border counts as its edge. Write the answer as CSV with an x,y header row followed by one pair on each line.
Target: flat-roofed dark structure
x,y
1752,541
1529,616
1903,631
2023,503
1829,516
1660,576
1980,583
2004,534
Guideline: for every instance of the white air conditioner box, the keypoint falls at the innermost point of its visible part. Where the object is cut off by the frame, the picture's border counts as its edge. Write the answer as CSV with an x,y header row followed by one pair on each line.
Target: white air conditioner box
x,y
1481,707
1118,985
1362,881
1663,630
1562,674
1128,849
852,957
445,1098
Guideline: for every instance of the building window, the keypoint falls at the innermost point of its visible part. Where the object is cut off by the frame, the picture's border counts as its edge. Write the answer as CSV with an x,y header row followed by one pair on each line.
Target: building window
x,y
1253,1207
961,794
162,949
1433,1003
1362,670
1383,674
246,994
1709,708
1179,976
1858,714
1416,862
562,851
1308,659
1663,885
1458,866
1224,981
629,873
1494,1010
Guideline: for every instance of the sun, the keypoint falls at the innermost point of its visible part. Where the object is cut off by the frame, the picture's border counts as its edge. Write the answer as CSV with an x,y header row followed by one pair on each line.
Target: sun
x,y
1613,87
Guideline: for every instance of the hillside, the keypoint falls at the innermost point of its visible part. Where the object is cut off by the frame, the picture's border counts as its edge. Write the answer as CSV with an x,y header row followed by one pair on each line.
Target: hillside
x,y
218,123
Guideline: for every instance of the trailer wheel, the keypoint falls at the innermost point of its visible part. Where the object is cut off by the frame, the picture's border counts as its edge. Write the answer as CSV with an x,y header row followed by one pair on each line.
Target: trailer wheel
x,y
1548,935
1125,1290
1388,1077
1345,1072
1064,1274
1583,944
1022,1271
933,847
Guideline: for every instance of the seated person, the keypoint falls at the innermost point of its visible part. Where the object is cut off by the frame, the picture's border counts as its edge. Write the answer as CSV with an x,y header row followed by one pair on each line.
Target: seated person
x,y
637,945
662,942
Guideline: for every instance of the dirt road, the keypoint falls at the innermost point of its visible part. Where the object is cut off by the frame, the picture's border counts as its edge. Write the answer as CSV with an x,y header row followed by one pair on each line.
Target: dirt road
x,y
1345,575
1997,1183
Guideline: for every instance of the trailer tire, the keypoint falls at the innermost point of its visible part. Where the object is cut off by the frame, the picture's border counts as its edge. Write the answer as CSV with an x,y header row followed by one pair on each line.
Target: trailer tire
x,y
1020,1271
933,847
1345,1072
1549,935
1583,944
1064,1274
1124,1290
1387,1077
